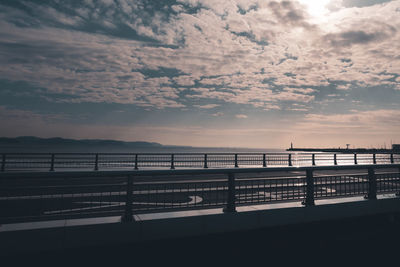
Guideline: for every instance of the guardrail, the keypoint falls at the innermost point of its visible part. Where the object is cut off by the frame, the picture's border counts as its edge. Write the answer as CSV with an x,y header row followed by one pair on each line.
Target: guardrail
x,y
63,195
127,161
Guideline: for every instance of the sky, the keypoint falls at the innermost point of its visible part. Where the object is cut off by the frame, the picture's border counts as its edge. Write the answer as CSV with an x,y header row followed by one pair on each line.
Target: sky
x,y
233,73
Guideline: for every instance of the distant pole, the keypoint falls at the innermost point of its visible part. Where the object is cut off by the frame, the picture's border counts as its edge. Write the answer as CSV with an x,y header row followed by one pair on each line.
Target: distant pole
x,y
136,162
52,163
3,163
398,192
172,162
96,163
205,161
264,161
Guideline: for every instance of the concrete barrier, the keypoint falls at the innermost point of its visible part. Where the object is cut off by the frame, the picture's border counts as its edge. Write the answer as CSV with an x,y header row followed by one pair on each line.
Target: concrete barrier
x,y
110,231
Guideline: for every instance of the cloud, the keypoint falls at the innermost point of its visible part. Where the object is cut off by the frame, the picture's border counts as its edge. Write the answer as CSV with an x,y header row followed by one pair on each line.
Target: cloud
x,y
241,116
289,13
373,119
343,87
362,3
218,114
230,49
272,107
184,80
353,37
208,106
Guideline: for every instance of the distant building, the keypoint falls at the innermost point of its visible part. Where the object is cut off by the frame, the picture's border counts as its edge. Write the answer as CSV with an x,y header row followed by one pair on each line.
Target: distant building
x,y
396,147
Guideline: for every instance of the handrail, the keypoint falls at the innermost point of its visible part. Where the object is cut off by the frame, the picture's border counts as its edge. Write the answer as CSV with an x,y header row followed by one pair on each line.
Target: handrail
x,y
98,161
193,153
190,171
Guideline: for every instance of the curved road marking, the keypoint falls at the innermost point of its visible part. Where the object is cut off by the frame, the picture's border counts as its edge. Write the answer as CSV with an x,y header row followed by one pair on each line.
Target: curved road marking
x,y
193,200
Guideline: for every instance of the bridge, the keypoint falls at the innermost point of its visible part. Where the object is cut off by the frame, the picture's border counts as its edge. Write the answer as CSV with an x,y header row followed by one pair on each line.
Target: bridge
x,y
163,202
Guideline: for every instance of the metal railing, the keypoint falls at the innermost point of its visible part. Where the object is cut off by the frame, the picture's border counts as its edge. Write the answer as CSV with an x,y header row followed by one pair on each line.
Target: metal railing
x,y
32,196
129,161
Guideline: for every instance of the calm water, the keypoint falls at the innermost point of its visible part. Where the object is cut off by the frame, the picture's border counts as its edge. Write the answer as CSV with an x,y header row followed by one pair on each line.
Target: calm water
x,y
110,149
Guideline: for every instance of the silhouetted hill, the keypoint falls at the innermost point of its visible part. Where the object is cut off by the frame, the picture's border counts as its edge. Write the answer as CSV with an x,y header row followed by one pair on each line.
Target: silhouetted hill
x,y
32,143
32,140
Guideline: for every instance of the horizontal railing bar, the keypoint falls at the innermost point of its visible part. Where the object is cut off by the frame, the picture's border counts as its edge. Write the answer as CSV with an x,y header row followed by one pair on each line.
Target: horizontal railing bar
x,y
194,153
115,173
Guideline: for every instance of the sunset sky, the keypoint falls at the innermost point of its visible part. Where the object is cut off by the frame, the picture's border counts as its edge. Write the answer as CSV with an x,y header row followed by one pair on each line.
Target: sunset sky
x,y
233,73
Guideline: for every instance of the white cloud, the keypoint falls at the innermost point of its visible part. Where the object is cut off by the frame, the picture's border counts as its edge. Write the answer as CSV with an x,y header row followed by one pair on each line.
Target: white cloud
x,y
241,116
343,87
218,114
208,106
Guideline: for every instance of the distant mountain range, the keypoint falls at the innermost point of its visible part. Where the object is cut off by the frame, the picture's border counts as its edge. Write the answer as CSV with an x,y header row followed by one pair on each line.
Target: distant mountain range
x,y
32,140
32,144
37,144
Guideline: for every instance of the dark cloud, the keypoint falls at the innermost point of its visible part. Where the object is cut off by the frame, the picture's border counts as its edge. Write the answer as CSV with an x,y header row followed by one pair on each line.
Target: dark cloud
x,y
352,37
287,13
244,11
252,37
112,18
287,56
160,72
362,3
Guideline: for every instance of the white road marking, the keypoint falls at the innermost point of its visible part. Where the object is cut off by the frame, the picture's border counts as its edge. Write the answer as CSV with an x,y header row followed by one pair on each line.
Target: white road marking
x,y
193,200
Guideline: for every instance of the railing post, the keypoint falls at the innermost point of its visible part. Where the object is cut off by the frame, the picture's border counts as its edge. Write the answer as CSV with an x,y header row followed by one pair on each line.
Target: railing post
x,y
371,184
290,160
172,162
52,163
96,163
355,158
398,192
231,203
136,162
334,159
236,161
374,158
128,213
309,201
3,163
205,161
313,159
264,161
391,158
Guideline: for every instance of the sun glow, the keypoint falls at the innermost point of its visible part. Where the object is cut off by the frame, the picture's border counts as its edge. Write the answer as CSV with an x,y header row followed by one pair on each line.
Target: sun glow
x,y
316,8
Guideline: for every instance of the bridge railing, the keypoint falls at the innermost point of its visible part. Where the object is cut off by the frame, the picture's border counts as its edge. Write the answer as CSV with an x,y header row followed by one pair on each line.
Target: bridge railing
x,y
33,196
129,161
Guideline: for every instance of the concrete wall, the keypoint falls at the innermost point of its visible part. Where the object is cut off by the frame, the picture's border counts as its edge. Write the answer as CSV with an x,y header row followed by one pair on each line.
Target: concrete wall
x,y
73,236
